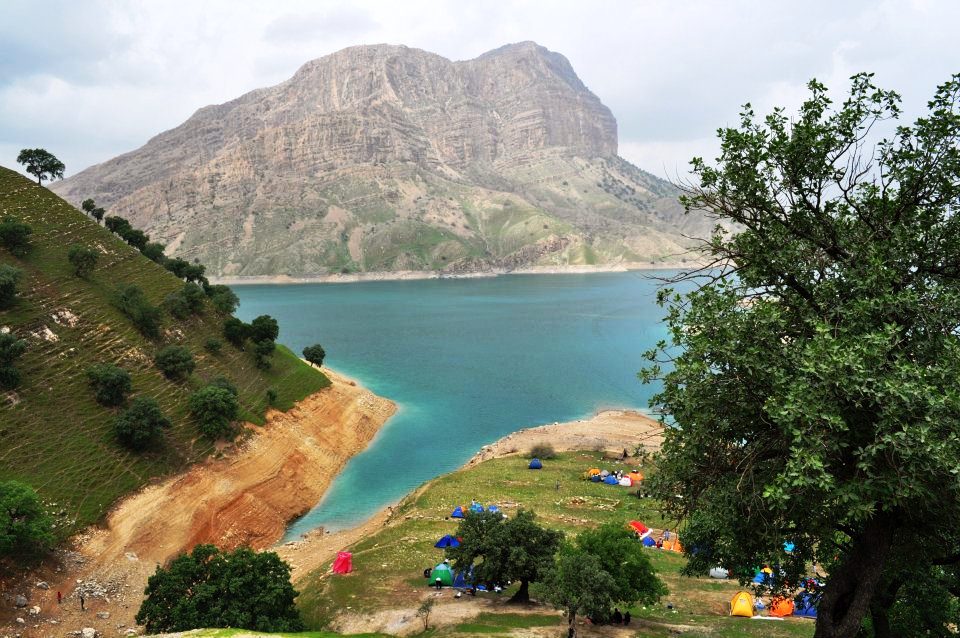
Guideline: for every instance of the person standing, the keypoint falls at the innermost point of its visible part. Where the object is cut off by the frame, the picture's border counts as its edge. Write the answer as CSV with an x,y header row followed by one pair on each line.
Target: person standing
x,y
626,617
59,598
438,583
82,603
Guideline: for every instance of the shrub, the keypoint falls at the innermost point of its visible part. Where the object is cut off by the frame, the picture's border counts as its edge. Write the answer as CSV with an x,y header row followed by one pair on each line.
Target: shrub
x,y
11,349
213,345
117,225
264,328
272,397
9,279
175,362
223,299
235,331
136,238
225,383
209,588
542,451
261,353
83,259
185,302
177,266
314,354
141,424
132,302
111,383
154,252
25,528
214,408
15,236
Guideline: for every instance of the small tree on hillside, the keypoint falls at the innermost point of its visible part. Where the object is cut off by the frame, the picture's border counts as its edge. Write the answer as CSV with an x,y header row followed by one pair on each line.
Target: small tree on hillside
x,y
111,384
175,362
423,611
314,354
214,408
41,164
11,349
88,205
9,280
261,353
235,331
223,299
132,302
83,259
579,586
141,425
154,252
136,238
209,588
15,236
25,528
185,302
264,328
117,225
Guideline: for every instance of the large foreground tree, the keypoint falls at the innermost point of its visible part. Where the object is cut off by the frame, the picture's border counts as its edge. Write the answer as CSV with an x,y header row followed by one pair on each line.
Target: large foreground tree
x,y
41,163
814,371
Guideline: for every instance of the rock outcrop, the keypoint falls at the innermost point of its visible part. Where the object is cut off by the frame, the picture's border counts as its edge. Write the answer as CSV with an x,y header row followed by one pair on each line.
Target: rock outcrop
x,y
390,158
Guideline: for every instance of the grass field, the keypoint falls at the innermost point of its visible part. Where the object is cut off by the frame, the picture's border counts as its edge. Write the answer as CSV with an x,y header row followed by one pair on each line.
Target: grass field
x,y
53,435
388,565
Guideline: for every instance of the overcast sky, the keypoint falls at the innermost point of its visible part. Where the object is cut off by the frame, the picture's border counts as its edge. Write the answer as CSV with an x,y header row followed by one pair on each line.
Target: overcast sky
x,y
90,80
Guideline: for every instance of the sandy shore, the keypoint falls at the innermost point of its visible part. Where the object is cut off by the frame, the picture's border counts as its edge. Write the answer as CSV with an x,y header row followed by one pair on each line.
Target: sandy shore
x,y
611,430
412,275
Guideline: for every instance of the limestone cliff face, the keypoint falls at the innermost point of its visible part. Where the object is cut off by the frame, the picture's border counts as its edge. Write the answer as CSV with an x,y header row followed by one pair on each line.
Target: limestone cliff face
x,y
388,158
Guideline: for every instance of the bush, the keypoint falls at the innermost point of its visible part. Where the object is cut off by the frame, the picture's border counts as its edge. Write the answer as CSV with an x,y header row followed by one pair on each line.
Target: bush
x,y
264,328
225,383
154,252
542,451
209,588
214,408
175,362
314,354
177,266
272,397
136,238
11,349
141,424
25,528
185,302
223,299
83,259
261,353
15,236
235,331
213,345
117,225
132,302
111,384
9,279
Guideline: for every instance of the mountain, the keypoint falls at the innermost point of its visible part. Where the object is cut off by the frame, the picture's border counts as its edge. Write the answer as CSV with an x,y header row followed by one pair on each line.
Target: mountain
x,y
53,434
382,158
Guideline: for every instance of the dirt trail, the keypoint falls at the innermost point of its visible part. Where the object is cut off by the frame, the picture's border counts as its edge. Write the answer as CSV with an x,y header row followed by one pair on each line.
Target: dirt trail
x,y
247,497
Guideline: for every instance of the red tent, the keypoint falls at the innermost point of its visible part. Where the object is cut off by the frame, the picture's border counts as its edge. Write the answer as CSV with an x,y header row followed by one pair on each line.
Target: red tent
x,y
640,528
343,563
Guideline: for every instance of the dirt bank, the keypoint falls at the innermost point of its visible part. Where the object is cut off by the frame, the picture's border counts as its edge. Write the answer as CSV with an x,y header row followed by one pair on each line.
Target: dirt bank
x,y
246,497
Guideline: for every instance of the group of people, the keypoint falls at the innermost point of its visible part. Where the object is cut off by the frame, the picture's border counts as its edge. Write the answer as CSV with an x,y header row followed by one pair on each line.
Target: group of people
x,y
616,618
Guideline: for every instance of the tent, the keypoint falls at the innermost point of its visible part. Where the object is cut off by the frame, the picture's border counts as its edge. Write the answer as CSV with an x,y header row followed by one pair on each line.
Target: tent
x,y
447,541
649,542
594,471
763,576
535,464
741,604
596,478
444,573
640,528
788,547
493,508
719,572
626,482
458,512
476,508
807,607
343,563
780,607
611,480
636,477
604,473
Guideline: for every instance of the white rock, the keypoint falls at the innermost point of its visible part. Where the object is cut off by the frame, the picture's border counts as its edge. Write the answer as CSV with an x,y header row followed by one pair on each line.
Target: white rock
x,y
21,621
103,615
35,610
88,632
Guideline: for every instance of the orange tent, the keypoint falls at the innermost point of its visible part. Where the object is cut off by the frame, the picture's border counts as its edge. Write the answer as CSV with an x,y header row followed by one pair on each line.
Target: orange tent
x,y
593,471
780,607
635,476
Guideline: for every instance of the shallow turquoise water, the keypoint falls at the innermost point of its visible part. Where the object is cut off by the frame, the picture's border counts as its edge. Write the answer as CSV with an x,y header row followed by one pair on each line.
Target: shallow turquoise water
x,y
467,361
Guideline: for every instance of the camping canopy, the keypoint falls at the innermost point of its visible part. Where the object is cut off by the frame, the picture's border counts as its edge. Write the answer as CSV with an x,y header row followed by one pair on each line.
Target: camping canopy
x,y
535,464
611,480
457,512
444,573
343,563
741,604
639,528
447,541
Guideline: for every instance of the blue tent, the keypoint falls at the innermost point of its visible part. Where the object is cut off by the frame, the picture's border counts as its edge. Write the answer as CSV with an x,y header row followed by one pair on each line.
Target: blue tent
x,y
596,478
493,508
447,541
649,542
457,513
806,608
788,547
476,508
535,464
611,480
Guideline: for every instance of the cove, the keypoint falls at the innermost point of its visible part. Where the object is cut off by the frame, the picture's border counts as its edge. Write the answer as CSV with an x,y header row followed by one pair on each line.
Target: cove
x,y
467,361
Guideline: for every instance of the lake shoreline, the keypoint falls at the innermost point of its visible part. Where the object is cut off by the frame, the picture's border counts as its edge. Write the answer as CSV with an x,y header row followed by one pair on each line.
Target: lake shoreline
x,y
418,275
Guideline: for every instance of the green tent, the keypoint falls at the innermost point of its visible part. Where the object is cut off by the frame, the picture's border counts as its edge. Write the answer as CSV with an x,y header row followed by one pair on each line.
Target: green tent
x,y
443,572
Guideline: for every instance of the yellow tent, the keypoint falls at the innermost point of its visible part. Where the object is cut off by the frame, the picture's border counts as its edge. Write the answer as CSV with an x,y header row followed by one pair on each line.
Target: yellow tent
x,y
741,605
593,471
636,477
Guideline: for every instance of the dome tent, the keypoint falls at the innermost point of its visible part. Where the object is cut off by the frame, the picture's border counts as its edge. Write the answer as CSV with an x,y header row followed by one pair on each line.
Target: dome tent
x,y
444,573
741,604
781,607
611,480
596,478
807,607
649,542
535,464
343,563
447,541
457,512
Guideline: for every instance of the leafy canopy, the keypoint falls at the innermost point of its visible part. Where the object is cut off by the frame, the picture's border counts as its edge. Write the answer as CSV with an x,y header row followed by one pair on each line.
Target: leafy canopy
x,y
176,362
111,384
11,349
25,528
15,236
141,425
314,354
815,371
210,588
83,259
9,280
215,407
41,164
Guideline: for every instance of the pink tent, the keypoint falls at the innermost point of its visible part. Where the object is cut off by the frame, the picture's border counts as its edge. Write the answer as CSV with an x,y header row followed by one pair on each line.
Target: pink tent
x,y
343,563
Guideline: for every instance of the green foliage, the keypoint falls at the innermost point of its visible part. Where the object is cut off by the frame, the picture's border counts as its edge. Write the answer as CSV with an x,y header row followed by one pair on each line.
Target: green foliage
x,y
136,238
210,588
83,259
507,549
9,279
132,302
15,236
186,302
11,349
41,164
423,611
213,345
117,225
271,396
111,384
235,331
154,252
814,373
25,528
178,267
88,205
214,407
264,328
262,351
314,354
223,299
140,426
226,384
542,451
579,585
175,362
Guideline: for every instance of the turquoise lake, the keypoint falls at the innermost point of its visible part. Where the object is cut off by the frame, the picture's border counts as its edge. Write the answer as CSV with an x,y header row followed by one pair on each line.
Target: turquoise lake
x,y
467,361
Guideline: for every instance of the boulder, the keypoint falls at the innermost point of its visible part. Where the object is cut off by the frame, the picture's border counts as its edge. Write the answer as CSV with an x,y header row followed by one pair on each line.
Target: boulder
x,y
21,621
43,585
20,601
88,632
103,615
35,610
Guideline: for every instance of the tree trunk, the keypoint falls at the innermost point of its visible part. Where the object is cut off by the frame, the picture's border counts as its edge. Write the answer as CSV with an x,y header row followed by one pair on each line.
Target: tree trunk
x,y
851,588
881,621
571,623
523,594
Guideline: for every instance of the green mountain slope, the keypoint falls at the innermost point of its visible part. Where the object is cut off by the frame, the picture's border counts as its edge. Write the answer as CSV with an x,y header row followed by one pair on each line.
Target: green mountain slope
x,y
53,435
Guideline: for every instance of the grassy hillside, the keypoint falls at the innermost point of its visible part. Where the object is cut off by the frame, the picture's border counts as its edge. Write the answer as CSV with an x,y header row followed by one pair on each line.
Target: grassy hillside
x,y
388,564
53,435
